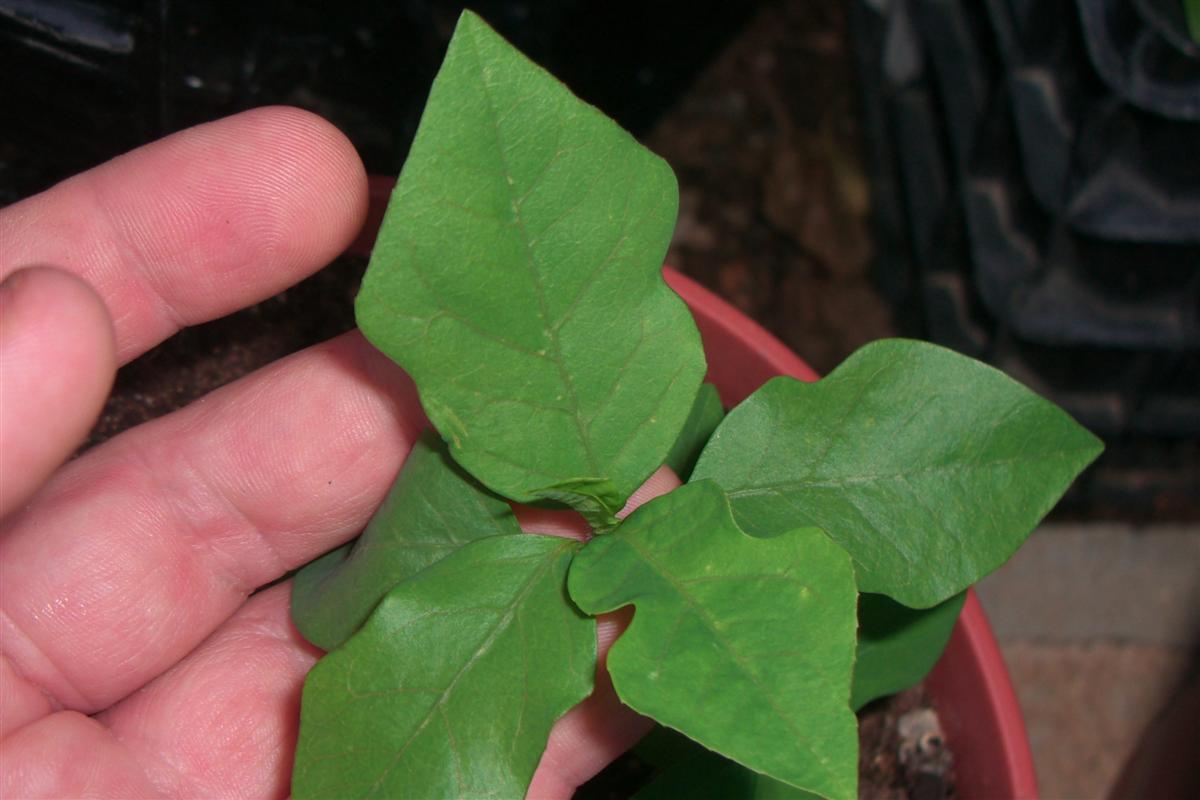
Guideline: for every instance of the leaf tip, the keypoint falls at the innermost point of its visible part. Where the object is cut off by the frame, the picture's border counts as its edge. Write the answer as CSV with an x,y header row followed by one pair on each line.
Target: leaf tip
x,y
468,20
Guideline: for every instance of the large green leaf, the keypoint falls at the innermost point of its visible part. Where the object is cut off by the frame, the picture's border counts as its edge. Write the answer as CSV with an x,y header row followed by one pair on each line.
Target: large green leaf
x,y
706,414
447,692
744,644
433,509
930,468
517,277
898,645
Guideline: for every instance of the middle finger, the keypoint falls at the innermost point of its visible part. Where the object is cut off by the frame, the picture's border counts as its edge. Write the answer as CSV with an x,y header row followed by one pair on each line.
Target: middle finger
x,y
139,549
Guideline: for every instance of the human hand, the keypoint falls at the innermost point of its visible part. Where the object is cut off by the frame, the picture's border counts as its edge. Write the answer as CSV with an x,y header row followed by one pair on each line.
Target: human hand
x,y
135,658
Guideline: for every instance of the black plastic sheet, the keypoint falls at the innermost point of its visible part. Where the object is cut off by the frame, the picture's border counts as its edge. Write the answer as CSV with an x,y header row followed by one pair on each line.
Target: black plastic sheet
x,y
1030,213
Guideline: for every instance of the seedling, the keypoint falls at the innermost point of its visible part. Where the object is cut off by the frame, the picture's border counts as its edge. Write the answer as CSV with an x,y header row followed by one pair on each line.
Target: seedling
x,y
517,278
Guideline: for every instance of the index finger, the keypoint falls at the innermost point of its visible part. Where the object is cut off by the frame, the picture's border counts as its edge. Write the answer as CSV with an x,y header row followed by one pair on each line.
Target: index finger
x,y
199,224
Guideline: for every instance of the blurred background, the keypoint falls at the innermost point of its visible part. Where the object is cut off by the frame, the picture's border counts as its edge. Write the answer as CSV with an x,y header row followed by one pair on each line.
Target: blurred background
x,y
1017,180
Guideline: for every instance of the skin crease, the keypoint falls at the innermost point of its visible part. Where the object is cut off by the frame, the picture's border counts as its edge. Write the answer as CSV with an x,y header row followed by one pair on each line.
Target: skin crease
x,y
134,659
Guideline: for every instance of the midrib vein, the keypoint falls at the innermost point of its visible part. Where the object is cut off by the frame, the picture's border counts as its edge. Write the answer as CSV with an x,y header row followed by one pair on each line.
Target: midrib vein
x,y
502,624
700,611
806,481
551,332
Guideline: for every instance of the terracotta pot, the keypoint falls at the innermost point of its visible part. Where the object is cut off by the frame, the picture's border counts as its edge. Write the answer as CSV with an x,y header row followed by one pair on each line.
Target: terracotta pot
x,y
970,684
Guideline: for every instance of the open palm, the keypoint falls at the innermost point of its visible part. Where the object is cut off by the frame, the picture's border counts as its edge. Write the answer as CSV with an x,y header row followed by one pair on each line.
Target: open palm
x,y
136,658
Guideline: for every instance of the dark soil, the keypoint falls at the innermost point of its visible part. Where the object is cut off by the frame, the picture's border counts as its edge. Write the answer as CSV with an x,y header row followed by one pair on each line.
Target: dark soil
x,y
902,756
202,358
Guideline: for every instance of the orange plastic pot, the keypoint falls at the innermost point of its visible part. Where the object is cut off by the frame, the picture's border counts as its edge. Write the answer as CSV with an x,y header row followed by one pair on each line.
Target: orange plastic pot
x,y
970,686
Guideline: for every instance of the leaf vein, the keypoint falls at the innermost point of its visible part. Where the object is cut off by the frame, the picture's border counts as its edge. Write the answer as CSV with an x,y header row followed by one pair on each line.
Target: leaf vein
x,y
555,345
702,613
501,624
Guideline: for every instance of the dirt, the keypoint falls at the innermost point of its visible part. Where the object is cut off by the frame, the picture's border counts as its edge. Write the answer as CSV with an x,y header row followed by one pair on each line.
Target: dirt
x,y
902,756
202,358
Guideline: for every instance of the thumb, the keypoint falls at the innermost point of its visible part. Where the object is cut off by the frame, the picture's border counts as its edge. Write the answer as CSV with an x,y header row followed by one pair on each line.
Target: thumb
x,y
57,361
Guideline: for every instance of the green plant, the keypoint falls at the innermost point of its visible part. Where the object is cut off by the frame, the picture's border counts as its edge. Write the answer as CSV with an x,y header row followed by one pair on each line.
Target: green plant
x,y
517,278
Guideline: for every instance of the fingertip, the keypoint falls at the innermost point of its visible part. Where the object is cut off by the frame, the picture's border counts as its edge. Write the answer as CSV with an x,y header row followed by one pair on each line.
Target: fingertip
x,y
585,740
57,363
291,197
199,224
336,180
51,316
661,482
609,628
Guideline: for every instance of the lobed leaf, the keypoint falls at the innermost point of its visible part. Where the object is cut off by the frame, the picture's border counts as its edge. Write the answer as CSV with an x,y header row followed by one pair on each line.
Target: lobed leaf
x,y
745,645
898,645
432,509
930,468
447,692
517,278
